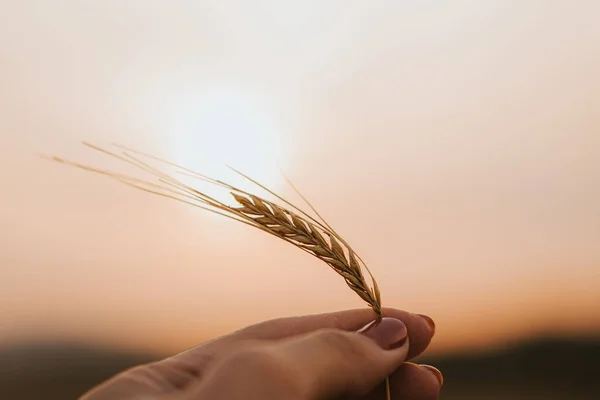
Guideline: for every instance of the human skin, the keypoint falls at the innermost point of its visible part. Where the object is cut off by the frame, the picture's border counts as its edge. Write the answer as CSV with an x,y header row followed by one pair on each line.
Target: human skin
x,y
342,355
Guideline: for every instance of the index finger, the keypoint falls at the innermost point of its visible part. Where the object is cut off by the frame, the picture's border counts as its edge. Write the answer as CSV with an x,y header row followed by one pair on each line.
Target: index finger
x,y
420,328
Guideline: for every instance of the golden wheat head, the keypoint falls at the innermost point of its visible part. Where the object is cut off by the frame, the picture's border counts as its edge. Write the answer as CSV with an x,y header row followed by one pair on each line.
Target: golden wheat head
x,y
287,222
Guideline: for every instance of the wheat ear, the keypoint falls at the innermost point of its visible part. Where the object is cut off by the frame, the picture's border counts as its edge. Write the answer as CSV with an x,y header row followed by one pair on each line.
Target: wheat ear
x,y
291,224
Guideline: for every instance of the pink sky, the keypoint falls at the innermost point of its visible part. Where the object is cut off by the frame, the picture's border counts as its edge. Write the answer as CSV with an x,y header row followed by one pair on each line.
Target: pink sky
x,y
456,146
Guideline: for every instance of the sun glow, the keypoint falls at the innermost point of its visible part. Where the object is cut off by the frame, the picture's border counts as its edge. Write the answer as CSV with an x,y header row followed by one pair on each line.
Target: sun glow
x,y
219,128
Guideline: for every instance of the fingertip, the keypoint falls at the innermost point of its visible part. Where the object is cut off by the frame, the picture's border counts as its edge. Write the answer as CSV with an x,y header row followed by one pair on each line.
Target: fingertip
x,y
415,381
430,323
388,333
420,329
436,372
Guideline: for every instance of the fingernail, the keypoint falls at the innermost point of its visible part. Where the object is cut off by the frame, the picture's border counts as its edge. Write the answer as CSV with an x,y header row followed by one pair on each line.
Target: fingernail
x,y
388,333
430,322
436,372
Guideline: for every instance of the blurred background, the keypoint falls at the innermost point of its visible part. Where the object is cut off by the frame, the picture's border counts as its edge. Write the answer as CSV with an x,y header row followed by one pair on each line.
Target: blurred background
x,y
455,145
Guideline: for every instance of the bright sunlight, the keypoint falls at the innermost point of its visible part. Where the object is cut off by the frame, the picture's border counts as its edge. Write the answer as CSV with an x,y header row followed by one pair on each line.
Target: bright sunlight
x,y
217,128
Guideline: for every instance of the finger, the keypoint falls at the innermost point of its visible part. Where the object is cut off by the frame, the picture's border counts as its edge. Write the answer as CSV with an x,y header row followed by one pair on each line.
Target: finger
x,y
412,382
420,331
420,328
333,362
416,382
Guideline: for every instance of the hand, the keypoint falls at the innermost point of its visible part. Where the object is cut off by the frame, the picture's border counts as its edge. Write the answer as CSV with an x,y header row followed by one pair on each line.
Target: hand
x,y
316,357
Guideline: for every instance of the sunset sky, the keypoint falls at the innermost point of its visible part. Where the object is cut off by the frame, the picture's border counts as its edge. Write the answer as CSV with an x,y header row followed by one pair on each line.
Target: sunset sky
x,y
455,145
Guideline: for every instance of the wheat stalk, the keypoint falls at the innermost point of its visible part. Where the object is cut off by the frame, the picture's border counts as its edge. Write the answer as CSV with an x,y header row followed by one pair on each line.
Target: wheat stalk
x,y
291,224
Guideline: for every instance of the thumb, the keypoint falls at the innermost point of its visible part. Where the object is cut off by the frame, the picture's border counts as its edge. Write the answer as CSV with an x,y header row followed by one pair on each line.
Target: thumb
x,y
332,362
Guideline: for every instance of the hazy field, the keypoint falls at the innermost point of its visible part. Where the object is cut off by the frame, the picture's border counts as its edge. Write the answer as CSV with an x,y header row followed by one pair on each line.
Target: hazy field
x,y
549,369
